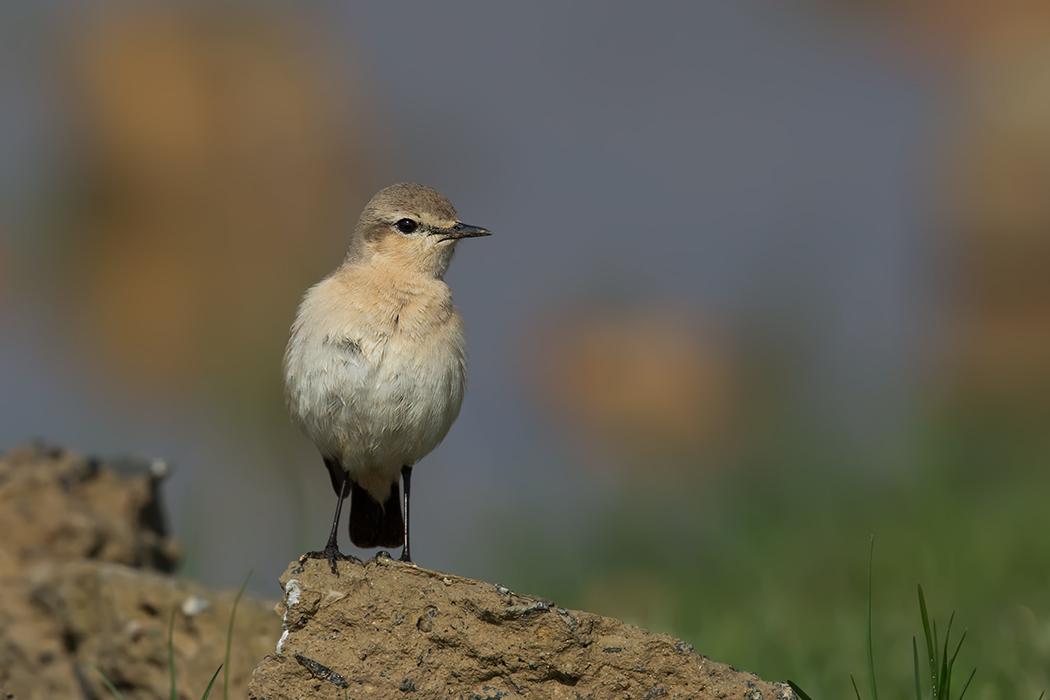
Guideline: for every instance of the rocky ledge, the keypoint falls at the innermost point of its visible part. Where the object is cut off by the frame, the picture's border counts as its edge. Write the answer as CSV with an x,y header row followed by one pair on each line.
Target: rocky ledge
x,y
85,564
85,568
384,629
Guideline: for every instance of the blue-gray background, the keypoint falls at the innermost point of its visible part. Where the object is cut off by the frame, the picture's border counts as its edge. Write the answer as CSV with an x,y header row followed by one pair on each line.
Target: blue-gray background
x,y
722,230
743,159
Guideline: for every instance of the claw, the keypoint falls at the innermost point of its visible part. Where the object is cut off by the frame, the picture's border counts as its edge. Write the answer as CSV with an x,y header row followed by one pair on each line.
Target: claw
x,y
332,554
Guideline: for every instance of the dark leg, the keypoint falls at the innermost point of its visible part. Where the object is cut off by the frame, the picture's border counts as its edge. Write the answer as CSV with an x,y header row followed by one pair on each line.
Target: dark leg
x,y
406,474
331,550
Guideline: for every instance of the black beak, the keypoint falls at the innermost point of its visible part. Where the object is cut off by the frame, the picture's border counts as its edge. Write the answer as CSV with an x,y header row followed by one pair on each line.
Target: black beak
x,y
461,230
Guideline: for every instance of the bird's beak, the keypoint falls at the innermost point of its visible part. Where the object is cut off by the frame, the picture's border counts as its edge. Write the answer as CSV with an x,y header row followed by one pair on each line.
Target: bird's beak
x,y
461,230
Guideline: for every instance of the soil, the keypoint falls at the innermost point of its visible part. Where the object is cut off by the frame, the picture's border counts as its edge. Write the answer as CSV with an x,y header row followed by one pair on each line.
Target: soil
x,y
84,567
85,570
385,629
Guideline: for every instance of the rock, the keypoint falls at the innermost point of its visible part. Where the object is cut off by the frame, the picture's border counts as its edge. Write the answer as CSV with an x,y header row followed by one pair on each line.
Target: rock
x,y
384,629
63,506
116,619
82,567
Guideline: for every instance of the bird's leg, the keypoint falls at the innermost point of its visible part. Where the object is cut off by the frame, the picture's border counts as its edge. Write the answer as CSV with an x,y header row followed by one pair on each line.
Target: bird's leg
x,y
406,474
331,550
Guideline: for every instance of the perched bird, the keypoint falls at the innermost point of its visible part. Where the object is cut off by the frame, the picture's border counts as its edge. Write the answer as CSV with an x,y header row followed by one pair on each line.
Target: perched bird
x,y
376,365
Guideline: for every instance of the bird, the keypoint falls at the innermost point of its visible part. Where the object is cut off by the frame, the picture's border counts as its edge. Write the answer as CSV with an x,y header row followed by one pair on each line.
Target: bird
x,y
375,369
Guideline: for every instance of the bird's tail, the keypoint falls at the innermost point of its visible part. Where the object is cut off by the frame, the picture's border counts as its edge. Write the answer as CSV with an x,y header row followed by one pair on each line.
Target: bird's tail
x,y
375,524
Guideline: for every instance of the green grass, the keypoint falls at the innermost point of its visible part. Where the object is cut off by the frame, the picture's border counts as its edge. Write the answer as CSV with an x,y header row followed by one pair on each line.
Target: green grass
x,y
940,674
229,639
762,567
171,656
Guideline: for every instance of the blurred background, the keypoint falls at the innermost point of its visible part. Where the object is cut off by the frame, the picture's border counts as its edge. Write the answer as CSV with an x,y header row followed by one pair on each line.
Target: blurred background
x,y
767,279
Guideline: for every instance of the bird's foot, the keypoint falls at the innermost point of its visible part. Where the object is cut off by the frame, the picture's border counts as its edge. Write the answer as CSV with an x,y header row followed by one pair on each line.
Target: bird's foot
x,y
383,554
332,554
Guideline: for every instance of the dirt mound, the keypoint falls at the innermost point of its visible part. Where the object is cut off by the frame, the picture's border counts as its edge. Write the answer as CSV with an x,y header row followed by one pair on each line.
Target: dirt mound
x,y
83,556
384,629
83,566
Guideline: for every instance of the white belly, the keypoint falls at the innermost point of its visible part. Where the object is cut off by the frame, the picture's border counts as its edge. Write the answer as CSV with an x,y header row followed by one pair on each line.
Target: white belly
x,y
376,406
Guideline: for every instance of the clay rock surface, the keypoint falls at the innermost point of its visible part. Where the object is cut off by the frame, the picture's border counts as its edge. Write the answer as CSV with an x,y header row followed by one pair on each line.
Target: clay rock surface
x,y
384,629
83,562
62,506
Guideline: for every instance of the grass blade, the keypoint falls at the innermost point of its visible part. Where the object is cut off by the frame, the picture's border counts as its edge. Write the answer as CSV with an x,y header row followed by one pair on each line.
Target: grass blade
x,y
171,654
946,677
229,641
802,694
957,648
854,682
915,659
951,662
929,642
120,696
967,684
207,691
871,656
938,676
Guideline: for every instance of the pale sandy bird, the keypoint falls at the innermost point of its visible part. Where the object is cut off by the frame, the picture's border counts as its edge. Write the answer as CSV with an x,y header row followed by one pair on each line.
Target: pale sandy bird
x,y
376,365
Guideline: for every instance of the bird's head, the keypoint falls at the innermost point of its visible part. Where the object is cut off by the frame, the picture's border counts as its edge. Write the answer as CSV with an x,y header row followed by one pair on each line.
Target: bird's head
x,y
412,226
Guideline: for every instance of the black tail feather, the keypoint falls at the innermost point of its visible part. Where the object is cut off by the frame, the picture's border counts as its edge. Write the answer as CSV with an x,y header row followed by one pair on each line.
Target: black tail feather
x,y
375,524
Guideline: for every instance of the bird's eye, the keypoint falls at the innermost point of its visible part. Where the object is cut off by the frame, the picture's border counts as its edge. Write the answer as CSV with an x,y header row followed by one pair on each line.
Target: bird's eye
x,y
407,226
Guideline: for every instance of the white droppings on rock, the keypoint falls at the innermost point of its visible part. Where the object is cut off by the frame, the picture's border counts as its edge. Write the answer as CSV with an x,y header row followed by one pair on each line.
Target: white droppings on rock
x,y
194,606
292,591
280,642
